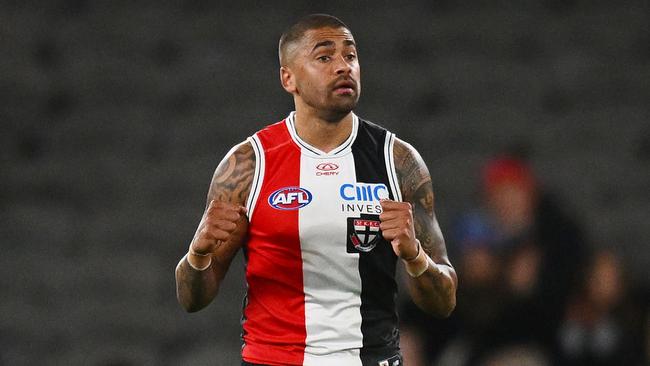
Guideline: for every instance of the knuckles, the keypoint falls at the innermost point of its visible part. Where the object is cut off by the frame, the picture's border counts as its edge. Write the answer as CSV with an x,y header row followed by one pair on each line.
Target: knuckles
x,y
213,216
396,221
216,232
219,222
400,207
206,233
220,206
227,214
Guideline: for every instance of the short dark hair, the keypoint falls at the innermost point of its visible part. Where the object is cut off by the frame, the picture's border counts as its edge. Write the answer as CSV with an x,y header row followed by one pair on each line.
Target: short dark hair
x,y
295,33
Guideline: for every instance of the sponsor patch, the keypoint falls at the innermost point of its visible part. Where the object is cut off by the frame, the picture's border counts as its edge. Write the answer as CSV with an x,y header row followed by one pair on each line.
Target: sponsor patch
x,y
363,233
290,198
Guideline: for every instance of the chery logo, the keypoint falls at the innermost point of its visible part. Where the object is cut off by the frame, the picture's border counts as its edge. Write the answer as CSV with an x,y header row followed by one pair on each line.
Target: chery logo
x,y
327,169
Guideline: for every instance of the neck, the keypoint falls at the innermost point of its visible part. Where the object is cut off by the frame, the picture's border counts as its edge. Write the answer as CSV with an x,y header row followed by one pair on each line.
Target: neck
x,y
324,132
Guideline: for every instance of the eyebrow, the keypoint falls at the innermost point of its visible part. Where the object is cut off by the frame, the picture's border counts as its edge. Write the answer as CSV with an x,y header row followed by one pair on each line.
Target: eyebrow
x,y
329,43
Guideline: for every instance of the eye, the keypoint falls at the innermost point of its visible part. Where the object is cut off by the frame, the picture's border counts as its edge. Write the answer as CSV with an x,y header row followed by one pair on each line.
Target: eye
x,y
351,57
323,58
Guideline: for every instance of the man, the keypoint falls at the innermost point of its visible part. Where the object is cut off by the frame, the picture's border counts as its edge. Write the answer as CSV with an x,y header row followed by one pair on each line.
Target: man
x,y
322,204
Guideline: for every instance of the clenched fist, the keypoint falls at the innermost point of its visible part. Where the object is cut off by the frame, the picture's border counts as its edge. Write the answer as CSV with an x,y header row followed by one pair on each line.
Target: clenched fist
x,y
218,225
397,227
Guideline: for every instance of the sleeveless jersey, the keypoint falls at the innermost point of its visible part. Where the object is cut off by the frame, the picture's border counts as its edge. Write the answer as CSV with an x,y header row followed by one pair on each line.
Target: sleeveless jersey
x,y
321,286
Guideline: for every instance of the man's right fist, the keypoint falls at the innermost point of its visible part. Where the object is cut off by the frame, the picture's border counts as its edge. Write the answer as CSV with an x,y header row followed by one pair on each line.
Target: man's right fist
x,y
217,226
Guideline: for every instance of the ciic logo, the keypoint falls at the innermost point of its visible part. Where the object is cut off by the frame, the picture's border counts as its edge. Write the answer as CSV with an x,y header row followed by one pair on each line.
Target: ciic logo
x,y
326,169
290,198
363,191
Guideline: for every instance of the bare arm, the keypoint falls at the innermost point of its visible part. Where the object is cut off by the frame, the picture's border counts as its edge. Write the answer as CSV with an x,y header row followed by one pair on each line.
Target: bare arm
x,y
435,290
221,232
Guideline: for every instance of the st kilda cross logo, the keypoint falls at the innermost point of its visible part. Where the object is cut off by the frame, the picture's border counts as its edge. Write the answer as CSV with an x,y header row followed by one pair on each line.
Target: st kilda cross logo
x,y
363,233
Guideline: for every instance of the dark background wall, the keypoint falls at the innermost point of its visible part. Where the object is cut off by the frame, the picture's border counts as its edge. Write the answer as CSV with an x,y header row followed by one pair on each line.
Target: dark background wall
x,y
114,114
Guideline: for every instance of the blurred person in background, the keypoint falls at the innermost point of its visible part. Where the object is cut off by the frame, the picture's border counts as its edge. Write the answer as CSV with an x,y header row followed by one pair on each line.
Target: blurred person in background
x,y
519,257
602,324
542,250
323,204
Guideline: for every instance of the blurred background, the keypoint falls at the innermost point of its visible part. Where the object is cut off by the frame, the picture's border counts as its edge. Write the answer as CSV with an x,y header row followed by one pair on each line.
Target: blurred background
x,y
532,116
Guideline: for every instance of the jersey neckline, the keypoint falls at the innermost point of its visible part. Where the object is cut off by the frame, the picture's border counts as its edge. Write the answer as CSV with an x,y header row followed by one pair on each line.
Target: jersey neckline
x,y
306,148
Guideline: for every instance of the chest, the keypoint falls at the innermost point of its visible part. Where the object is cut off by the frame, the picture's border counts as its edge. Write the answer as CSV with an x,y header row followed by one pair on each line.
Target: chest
x,y
320,200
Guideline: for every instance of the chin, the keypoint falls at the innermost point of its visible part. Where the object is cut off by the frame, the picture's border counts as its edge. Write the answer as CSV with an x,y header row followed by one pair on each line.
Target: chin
x,y
334,114
345,106
339,112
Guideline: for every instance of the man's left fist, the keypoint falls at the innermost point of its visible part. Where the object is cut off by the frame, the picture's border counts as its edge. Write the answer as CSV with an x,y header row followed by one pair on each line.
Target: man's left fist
x,y
397,227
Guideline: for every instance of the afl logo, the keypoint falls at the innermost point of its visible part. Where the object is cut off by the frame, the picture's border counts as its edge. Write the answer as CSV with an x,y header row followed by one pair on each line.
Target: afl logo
x,y
327,169
290,198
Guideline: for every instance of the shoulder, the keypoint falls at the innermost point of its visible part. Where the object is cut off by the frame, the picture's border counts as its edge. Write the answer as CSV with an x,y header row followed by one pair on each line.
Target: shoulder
x,y
273,128
233,176
370,126
243,147
371,129
405,154
412,171
373,137
403,150
273,136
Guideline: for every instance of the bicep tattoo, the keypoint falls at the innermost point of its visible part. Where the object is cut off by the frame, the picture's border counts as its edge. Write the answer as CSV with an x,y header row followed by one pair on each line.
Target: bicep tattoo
x,y
417,189
232,178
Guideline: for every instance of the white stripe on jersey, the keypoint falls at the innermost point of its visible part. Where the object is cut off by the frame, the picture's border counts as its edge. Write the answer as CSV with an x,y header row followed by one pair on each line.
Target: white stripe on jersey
x,y
348,358
258,177
331,280
389,144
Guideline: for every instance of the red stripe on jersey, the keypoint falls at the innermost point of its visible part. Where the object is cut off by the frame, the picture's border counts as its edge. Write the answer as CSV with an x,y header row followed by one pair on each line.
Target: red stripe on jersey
x,y
274,325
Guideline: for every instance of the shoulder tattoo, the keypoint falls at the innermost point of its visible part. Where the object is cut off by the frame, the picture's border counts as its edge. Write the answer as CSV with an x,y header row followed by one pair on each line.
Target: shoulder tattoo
x,y
413,176
232,178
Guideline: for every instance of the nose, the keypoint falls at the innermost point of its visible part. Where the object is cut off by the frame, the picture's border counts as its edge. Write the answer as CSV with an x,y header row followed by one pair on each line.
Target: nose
x,y
342,66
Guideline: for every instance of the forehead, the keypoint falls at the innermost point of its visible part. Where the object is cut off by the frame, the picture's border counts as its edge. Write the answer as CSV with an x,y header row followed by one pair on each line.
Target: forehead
x,y
315,36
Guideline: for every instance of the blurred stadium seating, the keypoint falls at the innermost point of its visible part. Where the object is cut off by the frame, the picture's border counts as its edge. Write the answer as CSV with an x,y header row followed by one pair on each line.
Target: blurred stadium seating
x,y
113,116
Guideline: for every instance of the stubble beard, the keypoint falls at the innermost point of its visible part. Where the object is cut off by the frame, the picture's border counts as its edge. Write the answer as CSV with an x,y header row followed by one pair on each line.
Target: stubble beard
x,y
335,108
329,106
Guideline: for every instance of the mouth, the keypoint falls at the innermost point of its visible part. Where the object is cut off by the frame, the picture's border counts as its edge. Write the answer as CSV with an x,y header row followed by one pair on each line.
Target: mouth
x,y
345,87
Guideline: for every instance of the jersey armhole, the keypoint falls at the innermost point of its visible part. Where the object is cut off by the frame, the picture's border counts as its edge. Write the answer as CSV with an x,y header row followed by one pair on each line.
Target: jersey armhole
x,y
389,144
258,176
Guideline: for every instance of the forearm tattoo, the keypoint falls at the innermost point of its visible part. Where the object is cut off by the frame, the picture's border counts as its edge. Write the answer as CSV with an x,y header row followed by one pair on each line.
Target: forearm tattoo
x,y
230,183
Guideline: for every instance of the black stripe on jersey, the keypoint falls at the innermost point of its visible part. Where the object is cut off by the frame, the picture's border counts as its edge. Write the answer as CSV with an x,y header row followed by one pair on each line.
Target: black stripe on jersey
x,y
379,322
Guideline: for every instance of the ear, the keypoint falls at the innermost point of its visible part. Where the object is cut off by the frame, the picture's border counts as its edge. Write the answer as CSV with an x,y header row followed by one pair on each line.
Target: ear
x,y
288,80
